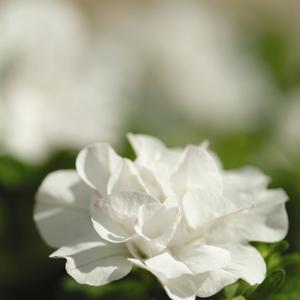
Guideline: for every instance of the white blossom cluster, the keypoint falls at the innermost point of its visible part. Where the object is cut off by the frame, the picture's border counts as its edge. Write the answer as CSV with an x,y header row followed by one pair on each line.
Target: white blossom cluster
x,y
57,89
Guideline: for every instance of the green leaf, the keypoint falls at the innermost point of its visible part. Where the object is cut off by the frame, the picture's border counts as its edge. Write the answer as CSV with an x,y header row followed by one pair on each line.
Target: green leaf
x,y
291,260
270,286
239,298
231,291
291,288
13,173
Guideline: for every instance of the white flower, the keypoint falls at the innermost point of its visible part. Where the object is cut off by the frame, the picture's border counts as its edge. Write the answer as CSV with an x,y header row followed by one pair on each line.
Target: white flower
x,y
174,212
55,89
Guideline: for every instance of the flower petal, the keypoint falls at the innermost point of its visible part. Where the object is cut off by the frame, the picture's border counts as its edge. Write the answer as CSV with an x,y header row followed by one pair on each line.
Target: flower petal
x,y
242,185
266,221
126,179
115,216
246,179
176,278
158,233
95,263
106,226
155,163
210,283
62,209
202,258
146,147
95,164
204,205
196,169
154,184
246,263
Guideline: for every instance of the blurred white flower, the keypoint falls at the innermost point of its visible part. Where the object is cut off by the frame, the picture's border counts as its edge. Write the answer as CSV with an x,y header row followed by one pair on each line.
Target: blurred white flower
x,y
196,60
66,83
55,89
174,212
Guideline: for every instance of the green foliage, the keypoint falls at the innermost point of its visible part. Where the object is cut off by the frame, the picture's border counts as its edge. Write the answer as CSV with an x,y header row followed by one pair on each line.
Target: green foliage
x,y
272,48
291,288
269,287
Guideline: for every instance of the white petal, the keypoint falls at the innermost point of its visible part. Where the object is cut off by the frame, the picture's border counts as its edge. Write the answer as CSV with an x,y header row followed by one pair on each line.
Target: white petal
x,y
204,205
115,216
176,278
196,169
213,154
265,222
140,248
152,182
246,263
268,221
155,163
210,283
157,223
241,186
62,208
95,263
145,146
95,164
126,179
202,258
181,288
106,226
246,179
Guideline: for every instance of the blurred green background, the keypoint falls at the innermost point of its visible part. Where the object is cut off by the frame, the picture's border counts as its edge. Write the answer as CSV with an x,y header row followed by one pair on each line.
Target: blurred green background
x,y
76,72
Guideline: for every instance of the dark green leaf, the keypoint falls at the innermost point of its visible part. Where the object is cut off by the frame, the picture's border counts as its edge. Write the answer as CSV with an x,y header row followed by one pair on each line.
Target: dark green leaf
x,y
270,286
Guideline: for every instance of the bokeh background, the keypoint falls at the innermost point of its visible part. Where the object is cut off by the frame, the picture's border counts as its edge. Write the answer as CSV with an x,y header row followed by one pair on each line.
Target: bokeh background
x,y
74,72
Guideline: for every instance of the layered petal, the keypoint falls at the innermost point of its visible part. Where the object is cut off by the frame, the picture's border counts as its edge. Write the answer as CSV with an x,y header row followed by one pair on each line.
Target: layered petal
x,y
95,263
210,283
95,165
201,258
246,179
62,209
155,186
241,186
175,276
245,263
265,221
155,163
126,179
204,205
115,216
145,147
156,224
196,169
